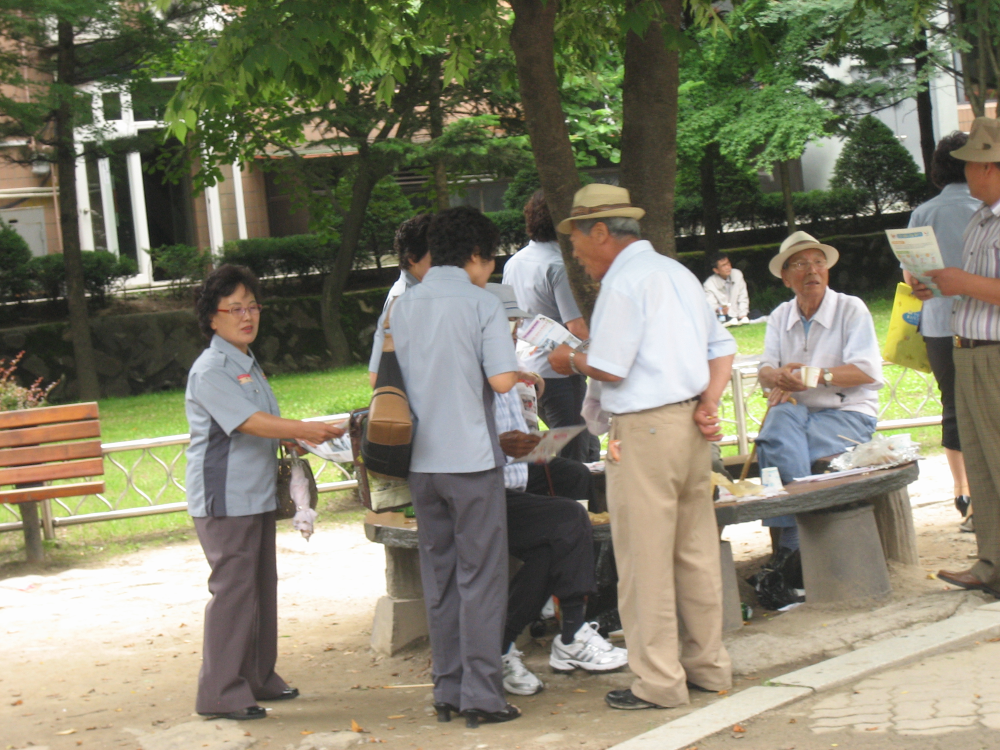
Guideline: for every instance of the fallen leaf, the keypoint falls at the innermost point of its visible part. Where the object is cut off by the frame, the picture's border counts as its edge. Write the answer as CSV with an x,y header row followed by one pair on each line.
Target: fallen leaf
x,y
397,716
306,731
738,728
66,731
793,721
17,702
355,727
723,692
579,690
871,729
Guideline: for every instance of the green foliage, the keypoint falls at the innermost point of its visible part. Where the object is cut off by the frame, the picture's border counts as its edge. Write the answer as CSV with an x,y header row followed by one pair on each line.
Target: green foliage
x,y
179,263
102,273
875,162
513,233
296,255
15,255
386,210
521,188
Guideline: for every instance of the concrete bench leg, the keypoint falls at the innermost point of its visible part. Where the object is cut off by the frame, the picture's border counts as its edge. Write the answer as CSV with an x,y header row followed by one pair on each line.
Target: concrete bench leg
x,y
842,555
400,617
732,611
894,516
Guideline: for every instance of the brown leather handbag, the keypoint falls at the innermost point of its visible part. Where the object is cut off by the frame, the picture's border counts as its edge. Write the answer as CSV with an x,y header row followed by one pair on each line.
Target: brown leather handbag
x,y
387,437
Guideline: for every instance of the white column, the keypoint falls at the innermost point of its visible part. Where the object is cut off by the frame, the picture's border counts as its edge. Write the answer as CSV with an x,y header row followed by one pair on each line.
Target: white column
x,y
108,204
241,209
214,210
84,216
138,196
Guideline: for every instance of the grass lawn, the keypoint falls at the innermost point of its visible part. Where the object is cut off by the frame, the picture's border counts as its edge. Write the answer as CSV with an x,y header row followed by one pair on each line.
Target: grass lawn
x,y
312,394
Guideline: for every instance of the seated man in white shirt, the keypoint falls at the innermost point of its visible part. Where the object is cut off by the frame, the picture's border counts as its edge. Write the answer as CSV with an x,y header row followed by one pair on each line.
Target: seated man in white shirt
x,y
726,292
819,328
552,537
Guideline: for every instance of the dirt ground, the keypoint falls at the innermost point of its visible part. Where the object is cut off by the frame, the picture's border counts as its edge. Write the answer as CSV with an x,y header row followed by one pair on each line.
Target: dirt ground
x,y
96,656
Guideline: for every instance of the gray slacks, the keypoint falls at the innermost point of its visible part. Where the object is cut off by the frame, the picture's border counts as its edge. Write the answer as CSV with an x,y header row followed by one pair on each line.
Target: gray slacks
x,y
462,530
241,619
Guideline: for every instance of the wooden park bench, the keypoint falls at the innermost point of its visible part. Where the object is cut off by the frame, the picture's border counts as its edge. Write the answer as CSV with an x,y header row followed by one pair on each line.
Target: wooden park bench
x,y
849,527
44,445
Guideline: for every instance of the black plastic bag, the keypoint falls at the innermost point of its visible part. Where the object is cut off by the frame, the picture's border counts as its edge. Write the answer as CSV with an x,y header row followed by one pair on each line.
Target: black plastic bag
x,y
779,582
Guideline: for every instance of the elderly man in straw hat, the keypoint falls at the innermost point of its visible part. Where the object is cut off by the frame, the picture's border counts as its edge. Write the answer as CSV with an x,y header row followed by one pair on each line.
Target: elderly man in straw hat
x,y
822,366
663,360
976,322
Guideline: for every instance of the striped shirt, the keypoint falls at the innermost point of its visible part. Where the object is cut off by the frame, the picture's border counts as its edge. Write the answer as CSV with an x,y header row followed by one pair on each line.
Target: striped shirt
x,y
509,416
973,318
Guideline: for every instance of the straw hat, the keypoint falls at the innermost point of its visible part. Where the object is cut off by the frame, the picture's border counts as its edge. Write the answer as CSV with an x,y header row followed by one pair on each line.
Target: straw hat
x,y
796,243
600,201
984,142
505,293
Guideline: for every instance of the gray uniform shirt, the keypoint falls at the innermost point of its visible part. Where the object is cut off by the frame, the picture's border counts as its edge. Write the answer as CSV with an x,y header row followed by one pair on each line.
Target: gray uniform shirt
x,y
450,336
538,274
229,473
404,282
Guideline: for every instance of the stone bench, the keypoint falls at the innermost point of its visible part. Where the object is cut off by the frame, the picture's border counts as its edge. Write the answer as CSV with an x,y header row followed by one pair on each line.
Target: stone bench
x,y
848,528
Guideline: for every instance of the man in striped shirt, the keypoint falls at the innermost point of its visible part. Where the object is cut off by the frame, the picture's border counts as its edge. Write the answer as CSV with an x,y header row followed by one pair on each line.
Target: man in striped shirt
x,y
976,323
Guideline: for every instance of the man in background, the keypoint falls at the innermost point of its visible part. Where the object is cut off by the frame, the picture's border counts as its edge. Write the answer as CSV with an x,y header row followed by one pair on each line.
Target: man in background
x,y
726,292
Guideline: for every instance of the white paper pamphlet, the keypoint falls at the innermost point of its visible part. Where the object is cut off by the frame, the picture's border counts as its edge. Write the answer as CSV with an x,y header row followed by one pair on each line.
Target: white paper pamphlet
x,y
551,443
546,334
917,249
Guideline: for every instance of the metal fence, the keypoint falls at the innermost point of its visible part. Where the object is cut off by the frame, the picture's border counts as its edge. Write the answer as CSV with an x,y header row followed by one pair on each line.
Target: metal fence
x,y
145,477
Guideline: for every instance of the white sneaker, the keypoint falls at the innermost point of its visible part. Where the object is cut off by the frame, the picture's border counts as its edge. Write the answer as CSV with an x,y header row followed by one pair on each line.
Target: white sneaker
x,y
517,678
589,651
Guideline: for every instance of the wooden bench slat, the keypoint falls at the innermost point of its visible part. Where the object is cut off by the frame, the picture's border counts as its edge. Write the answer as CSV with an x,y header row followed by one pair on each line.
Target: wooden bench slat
x,y
91,467
47,453
48,415
52,434
33,494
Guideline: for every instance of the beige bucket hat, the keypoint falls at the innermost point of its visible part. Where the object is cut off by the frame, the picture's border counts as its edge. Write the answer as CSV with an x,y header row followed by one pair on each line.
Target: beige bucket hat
x,y
600,201
983,143
796,243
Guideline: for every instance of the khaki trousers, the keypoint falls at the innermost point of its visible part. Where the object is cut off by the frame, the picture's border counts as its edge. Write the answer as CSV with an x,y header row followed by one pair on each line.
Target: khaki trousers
x,y
667,552
977,402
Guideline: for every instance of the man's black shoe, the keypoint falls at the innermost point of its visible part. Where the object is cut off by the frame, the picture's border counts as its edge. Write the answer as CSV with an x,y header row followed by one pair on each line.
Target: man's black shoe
x,y
243,714
285,695
626,700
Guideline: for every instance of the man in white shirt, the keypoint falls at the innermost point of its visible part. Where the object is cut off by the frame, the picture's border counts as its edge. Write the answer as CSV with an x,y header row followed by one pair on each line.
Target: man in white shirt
x,y
819,328
664,361
538,275
726,291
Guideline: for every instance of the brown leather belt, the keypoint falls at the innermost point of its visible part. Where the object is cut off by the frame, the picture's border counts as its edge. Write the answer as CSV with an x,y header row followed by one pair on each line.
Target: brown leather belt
x,y
961,343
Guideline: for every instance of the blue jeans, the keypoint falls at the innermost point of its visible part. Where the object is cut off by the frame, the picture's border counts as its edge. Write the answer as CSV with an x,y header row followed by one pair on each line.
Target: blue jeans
x,y
793,437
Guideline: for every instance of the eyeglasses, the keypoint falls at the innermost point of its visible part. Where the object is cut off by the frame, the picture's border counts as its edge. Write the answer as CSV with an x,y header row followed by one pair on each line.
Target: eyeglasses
x,y
802,265
239,312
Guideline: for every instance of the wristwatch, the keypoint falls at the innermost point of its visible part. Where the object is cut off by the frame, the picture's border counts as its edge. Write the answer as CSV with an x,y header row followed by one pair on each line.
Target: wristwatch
x,y
827,377
572,362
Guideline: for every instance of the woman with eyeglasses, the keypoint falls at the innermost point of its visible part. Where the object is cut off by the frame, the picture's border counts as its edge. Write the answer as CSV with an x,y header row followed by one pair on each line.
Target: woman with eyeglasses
x,y
232,495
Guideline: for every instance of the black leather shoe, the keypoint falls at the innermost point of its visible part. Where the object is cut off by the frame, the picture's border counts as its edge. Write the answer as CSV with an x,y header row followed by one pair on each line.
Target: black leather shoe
x,y
286,695
475,716
628,701
444,711
966,580
243,714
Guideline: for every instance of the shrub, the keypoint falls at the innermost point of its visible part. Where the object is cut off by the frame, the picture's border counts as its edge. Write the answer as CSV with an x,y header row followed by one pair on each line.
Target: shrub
x,y
15,257
14,396
102,272
513,233
295,255
875,162
179,262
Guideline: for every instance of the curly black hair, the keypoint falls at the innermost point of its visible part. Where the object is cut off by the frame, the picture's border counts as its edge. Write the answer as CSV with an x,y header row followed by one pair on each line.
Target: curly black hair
x,y
945,168
410,242
456,234
537,219
221,283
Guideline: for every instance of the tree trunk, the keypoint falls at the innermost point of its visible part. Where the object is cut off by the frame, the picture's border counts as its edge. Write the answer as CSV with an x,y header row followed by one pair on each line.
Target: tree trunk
x,y
710,199
437,129
925,108
532,38
336,280
786,195
649,128
79,325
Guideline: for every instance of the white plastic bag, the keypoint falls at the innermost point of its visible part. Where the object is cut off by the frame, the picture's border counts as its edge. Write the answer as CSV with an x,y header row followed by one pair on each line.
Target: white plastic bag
x,y
299,488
